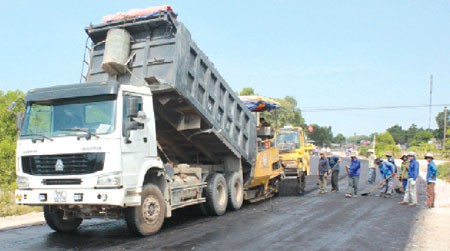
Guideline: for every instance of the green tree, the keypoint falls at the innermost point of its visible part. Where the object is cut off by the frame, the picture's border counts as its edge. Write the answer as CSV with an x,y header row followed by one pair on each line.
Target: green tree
x,y
439,133
339,139
398,134
8,136
421,137
385,142
411,132
288,114
322,135
247,91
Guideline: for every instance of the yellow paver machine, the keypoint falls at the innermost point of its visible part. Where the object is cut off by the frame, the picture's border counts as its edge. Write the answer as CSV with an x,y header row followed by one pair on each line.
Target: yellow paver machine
x,y
263,180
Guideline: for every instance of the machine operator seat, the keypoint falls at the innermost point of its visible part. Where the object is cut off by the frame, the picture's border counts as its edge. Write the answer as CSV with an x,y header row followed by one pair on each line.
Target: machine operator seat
x,y
265,132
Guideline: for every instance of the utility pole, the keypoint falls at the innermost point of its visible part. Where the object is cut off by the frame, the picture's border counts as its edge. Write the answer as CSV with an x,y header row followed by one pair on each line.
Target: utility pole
x,y
445,127
374,142
431,92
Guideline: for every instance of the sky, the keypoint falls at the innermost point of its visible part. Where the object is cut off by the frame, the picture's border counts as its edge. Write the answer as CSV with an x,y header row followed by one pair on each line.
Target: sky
x,y
327,54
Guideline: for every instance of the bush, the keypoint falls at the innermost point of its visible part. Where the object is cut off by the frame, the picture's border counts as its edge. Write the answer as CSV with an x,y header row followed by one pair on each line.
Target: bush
x,y
444,171
9,207
363,150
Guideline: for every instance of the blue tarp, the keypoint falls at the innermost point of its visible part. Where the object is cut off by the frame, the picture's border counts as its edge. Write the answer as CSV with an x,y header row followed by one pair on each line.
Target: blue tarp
x,y
259,104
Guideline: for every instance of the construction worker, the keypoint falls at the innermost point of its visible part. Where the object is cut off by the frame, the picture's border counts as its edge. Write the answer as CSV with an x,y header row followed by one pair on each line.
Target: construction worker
x,y
353,176
431,179
323,169
334,162
387,171
372,172
403,177
263,122
411,187
391,159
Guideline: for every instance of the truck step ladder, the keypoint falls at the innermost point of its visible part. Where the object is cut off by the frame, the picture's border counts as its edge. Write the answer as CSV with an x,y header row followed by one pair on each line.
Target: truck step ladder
x,y
85,63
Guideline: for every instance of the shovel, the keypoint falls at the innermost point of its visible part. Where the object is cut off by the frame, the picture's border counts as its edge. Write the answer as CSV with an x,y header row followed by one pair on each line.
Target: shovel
x,y
374,188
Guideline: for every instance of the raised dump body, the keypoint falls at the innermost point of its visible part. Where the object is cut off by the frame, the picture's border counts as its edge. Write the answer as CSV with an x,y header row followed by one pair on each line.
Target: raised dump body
x,y
199,118
155,128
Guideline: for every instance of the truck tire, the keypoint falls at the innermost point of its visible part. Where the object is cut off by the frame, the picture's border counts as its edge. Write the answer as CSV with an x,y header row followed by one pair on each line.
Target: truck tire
x,y
216,194
54,218
301,184
235,191
147,218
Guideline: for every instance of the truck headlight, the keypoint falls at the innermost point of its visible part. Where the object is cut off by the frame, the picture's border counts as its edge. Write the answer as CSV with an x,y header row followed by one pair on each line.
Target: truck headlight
x,y
110,180
22,182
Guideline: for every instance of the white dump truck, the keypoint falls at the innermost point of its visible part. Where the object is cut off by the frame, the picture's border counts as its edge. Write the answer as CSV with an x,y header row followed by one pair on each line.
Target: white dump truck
x,y
153,128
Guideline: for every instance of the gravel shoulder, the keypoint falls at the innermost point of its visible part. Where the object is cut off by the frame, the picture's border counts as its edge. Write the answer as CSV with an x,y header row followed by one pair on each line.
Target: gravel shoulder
x,y
432,227
17,221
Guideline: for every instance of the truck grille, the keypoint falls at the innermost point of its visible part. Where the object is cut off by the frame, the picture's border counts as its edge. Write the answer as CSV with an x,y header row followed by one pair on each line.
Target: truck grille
x,y
63,164
61,182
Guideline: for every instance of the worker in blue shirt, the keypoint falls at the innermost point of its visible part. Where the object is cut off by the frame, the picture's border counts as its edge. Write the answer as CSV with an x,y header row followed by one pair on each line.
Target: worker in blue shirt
x,y
387,172
353,176
431,179
391,160
411,186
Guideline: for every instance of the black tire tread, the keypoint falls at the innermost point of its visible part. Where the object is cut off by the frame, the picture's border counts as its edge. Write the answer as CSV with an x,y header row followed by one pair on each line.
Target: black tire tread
x,y
208,193
232,205
131,214
59,225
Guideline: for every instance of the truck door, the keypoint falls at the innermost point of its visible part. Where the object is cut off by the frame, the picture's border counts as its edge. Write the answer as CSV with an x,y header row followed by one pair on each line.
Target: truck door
x,y
135,136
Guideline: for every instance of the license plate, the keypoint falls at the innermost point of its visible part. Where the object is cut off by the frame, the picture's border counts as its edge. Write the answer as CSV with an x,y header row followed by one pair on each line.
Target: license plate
x,y
60,196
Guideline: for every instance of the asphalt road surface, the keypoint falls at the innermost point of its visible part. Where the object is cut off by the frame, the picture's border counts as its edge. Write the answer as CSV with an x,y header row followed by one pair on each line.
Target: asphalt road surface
x,y
287,222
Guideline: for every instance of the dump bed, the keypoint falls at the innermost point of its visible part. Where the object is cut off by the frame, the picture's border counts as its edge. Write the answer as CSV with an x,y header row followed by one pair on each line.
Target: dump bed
x,y
199,118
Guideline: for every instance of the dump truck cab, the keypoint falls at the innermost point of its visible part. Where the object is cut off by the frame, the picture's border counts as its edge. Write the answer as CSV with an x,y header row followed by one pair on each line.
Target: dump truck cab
x,y
294,153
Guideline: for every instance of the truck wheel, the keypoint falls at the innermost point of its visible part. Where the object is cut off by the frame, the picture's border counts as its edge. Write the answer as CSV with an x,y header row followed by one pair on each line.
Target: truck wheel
x,y
147,218
216,194
301,184
54,218
235,191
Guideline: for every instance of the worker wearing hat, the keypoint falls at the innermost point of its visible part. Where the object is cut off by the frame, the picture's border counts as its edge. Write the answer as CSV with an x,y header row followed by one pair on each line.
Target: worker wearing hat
x,y
403,176
431,179
389,158
411,187
353,176
387,172
371,157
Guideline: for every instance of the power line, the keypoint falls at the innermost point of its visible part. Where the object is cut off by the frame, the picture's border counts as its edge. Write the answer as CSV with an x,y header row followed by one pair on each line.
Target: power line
x,y
341,109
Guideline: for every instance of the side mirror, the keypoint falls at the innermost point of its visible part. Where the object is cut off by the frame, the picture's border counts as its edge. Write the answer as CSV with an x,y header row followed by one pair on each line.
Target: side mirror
x,y
19,120
132,106
132,125
137,122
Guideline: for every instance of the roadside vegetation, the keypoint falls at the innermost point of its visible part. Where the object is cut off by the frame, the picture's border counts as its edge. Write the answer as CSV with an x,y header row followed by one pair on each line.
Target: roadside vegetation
x,y
444,171
8,136
8,206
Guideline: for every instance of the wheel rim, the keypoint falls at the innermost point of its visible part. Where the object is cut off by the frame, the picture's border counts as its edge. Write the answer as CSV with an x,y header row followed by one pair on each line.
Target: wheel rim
x,y
222,196
151,210
238,191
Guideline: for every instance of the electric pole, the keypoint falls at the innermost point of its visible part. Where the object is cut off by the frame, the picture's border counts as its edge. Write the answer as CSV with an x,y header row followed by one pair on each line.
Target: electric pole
x,y
445,127
431,92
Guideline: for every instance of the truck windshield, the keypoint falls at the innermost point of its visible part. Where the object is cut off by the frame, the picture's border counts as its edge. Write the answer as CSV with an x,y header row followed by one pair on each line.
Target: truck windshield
x,y
95,115
287,141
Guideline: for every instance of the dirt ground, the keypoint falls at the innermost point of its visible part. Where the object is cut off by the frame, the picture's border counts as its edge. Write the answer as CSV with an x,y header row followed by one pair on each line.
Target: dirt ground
x,y
432,228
